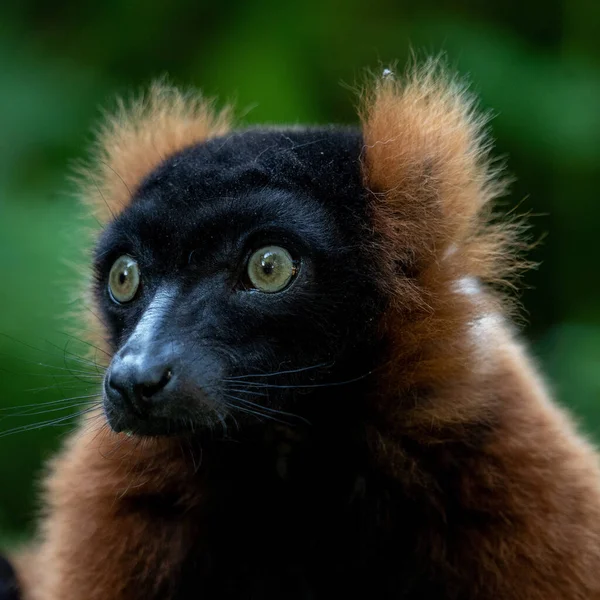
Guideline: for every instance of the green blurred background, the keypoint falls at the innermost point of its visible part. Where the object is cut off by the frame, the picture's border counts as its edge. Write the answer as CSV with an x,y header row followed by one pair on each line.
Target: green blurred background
x,y
536,64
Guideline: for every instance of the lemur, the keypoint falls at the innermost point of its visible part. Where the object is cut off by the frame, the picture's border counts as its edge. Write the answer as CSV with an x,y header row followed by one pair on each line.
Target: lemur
x,y
313,387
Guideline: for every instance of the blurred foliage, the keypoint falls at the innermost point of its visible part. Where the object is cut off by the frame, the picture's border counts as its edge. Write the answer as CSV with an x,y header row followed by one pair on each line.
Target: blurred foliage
x,y
536,64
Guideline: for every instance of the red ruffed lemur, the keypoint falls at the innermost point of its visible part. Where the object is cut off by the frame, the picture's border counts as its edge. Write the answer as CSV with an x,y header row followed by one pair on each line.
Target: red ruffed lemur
x,y
313,387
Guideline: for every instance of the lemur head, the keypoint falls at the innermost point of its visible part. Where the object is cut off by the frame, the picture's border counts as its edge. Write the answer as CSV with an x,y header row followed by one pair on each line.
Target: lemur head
x,y
237,257
264,274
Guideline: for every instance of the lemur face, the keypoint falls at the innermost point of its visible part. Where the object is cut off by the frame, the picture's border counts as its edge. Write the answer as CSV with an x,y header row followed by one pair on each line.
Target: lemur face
x,y
239,284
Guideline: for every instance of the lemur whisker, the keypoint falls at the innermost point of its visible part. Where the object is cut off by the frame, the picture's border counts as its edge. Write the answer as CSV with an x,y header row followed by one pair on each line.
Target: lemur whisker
x,y
101,196
303,386
74,357
289,371
72,372
68,384
50,410
82,341
248,411
65,356
119,176
255,412
274,410
43,351
59,421
50,403
67,380
245,391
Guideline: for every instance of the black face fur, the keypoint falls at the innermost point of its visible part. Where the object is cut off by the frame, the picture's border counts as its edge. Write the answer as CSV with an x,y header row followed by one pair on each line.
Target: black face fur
x,y
197,348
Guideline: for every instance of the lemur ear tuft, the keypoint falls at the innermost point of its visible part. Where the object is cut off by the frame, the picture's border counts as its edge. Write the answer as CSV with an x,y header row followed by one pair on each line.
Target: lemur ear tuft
x,y
136,139
426,162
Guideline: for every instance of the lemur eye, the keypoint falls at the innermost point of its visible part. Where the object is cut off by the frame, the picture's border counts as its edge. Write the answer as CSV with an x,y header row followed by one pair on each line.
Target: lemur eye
x,y
271,269
124,279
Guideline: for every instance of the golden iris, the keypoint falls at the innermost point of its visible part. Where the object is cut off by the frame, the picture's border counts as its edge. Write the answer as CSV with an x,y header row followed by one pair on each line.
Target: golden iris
x,y
124,279
271,269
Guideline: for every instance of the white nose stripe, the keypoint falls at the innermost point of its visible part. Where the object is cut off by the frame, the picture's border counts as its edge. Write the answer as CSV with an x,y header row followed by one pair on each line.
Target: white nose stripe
x,y
151,321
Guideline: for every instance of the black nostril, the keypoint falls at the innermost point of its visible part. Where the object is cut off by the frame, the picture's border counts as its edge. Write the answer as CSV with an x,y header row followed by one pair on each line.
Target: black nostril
x,y
115,384
146,390
137,383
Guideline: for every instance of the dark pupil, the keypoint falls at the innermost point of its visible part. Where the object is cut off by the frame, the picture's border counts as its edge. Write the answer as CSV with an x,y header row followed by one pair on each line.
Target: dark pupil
x,y
268,264
122,277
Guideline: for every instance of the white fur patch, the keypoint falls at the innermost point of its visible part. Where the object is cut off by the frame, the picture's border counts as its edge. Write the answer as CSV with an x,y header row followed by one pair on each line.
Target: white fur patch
x,y
469,286
484,328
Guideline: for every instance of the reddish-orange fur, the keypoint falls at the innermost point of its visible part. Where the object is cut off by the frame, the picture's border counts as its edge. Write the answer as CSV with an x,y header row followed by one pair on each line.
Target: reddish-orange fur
x,y
135,140
425,160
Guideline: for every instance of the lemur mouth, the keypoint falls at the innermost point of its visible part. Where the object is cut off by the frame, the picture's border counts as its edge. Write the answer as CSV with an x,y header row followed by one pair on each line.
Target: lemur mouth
x,y
173,406
131,425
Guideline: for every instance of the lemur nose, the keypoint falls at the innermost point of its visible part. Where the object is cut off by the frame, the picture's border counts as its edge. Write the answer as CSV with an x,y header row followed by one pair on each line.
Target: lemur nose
x,y
138,382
